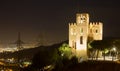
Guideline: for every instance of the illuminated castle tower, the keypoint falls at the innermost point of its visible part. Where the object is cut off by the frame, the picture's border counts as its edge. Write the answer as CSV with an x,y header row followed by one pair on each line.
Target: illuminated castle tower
x,y
80,31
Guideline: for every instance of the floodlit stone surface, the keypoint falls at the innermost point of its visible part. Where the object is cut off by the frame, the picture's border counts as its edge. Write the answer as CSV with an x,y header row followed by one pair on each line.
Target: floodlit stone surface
x,y
81,31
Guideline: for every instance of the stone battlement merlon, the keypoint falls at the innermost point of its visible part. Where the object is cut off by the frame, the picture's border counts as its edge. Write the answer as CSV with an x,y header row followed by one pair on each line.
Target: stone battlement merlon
x,y
72,24
95,23
82,14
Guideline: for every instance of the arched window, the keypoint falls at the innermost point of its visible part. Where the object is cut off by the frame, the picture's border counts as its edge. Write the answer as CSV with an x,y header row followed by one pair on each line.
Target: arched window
x,y
96,31
74,44
81,39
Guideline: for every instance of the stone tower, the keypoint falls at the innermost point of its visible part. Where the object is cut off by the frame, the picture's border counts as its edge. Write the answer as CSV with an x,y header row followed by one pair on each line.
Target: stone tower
x,y
79,33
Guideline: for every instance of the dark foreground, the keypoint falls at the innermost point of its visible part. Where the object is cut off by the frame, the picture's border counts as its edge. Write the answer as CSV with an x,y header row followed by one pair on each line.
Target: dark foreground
x,y
84,66
95,66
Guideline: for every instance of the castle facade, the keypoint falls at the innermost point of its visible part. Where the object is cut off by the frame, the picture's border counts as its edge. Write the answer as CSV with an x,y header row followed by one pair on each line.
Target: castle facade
x,y
81,32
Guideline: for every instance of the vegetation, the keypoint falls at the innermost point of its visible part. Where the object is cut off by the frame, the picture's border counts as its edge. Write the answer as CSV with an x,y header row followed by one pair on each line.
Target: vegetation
x,y
65,50
100,45
104,46
59,57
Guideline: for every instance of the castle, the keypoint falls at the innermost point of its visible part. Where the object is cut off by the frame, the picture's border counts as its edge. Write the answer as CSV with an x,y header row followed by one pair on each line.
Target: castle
x,y
81,32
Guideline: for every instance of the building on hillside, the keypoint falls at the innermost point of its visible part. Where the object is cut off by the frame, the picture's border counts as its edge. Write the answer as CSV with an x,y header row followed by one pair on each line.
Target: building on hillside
x,y
81,32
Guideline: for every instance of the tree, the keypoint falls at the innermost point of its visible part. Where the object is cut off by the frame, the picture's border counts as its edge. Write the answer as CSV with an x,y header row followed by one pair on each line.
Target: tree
x,y
45,57
117,45
90,50
66,58
96,46
100,45
65,51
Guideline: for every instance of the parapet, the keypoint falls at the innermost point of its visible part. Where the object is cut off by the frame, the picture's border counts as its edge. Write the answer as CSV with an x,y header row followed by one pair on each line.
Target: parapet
x,y
72,24
95,24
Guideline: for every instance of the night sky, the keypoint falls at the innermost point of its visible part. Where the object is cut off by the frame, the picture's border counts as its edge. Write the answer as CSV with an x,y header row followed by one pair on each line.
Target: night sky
x,y
50,18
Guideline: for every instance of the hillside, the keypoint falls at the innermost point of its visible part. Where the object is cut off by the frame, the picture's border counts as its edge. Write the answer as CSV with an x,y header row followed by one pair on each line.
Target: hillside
x,y
29,53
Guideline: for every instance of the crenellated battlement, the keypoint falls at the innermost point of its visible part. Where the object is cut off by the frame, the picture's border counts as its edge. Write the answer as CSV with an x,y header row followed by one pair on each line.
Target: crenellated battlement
x,y
72,24
95,23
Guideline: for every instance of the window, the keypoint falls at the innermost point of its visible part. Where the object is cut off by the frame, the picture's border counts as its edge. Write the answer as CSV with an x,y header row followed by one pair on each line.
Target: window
x,y
81,30
74,44
83,19
96,31
81,39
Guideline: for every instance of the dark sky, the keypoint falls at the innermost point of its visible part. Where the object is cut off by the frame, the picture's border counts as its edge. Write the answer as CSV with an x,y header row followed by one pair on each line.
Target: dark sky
x,y
51,17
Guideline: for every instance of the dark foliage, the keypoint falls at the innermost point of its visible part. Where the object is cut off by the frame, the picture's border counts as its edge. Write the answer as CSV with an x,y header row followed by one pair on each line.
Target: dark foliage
x,y
95,66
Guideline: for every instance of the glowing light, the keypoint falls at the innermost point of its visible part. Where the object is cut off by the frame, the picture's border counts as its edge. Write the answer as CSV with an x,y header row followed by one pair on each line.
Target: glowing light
x,y
114,49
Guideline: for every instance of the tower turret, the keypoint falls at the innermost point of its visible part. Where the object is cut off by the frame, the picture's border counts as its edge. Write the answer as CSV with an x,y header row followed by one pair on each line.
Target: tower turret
x,y
82,18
